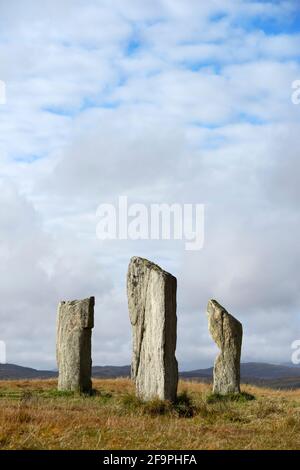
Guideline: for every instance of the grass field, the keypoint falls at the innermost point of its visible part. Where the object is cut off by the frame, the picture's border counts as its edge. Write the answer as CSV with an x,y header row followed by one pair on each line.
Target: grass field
x,y
33,415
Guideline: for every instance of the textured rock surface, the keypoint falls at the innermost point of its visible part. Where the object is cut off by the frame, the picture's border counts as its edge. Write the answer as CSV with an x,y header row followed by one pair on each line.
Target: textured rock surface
x,y
152,309
227,332
75,320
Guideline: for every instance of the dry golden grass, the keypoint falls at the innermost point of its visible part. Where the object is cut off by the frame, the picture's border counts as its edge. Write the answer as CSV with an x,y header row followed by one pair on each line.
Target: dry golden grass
x,y
34,416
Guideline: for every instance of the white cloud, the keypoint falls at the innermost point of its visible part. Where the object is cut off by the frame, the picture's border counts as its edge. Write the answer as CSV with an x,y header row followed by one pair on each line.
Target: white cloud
x,y
162,102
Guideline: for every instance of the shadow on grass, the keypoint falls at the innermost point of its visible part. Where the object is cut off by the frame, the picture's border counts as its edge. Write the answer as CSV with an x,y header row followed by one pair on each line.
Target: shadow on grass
x,y
182,407
101,395
241,397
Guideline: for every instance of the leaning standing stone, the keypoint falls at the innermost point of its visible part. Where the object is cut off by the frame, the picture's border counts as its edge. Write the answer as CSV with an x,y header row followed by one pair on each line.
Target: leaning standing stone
x,y
75,320
227,332
152,309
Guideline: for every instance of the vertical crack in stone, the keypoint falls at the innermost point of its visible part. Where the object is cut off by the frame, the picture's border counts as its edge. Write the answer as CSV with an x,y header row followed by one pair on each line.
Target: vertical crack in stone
x,y
141,337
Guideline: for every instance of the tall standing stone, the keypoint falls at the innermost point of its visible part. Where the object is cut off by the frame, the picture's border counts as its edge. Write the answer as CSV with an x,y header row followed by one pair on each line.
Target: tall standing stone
x,y
227,332
75,320
152,309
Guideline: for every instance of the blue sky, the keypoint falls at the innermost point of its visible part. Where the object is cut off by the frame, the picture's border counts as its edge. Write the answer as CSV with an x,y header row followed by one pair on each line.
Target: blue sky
x,y
162,101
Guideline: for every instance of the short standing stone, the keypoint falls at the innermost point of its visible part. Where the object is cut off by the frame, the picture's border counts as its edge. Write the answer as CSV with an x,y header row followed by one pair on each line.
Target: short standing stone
x,y
75,320
152,309
227,332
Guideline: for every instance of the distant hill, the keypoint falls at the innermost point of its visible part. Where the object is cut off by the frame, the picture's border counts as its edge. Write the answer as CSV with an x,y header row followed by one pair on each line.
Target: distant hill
x,y
258,370
256,373
111,371
12,372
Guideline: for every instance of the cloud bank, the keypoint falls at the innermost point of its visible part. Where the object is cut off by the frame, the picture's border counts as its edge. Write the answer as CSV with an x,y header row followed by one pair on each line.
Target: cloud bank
x,y
161,101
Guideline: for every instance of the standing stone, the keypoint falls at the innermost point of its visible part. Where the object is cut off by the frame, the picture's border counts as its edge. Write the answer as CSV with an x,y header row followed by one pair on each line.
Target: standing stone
x,y
152,309
227,332
75,320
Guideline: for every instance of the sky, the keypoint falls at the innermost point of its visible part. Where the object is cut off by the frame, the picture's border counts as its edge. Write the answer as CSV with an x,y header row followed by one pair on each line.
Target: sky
x,y
162,101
